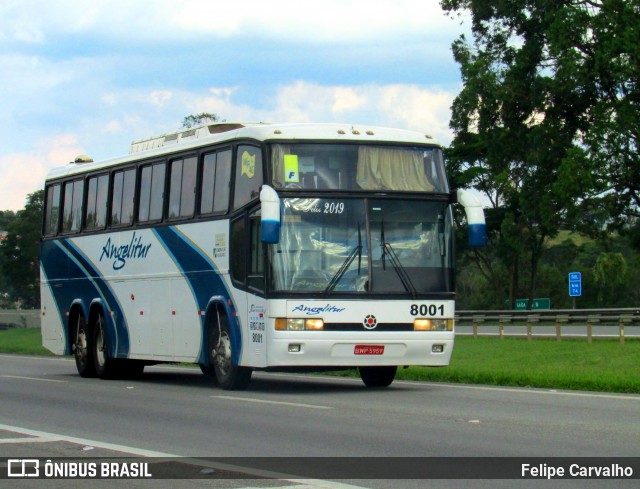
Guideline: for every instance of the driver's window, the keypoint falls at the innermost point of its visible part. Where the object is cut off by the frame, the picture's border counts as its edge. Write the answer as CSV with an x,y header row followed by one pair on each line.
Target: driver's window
x,y
255,276
245,238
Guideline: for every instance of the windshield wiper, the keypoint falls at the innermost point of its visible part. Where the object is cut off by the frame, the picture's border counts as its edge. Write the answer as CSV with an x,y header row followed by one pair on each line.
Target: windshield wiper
x,y
359,249
395,261
346,264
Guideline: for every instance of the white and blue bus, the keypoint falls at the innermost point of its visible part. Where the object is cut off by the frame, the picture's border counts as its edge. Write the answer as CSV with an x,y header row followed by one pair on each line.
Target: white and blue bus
x,y
254,246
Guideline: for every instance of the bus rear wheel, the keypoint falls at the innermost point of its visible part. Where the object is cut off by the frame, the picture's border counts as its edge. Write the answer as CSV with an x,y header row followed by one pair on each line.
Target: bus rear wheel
x,y
105,366
377,376
83,348
228,375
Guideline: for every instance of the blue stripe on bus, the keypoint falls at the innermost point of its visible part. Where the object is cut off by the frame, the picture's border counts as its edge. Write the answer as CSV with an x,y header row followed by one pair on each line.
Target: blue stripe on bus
x,y
45,279
204,281
54,263
118,342
71,282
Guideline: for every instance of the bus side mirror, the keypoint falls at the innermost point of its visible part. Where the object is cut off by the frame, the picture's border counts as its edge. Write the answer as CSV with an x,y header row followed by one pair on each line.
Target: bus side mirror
x,y
270,215
475,218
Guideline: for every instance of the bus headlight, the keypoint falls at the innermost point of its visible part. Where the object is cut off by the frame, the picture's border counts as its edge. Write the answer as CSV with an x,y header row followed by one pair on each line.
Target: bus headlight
x,y
314,324
423,324
288,324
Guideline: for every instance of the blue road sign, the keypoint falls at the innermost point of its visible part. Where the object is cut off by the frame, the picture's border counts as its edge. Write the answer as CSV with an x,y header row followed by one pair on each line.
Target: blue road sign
x,y
575,284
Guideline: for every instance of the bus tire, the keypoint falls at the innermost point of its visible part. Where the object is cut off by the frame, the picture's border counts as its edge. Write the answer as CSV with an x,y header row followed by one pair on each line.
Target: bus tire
x,y
228,375
82,341
105,366
377,376
128,369
209,371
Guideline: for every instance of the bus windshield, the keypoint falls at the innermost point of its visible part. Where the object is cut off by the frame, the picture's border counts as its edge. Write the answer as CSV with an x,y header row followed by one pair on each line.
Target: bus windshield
x,y
363,246
324,166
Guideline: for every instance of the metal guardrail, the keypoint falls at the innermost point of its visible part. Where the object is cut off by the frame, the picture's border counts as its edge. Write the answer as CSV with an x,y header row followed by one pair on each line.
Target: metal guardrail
x,y
478,321
19,318
590,318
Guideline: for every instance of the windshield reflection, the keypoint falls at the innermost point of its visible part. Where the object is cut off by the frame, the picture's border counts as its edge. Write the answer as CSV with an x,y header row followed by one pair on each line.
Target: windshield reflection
x,y
363,246
358,167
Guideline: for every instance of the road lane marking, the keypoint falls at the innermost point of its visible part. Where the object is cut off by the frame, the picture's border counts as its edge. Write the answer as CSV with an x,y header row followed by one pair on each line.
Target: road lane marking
x,y
82,441
33,378
38,357
430,385
597,395
25,440
311,483
265,401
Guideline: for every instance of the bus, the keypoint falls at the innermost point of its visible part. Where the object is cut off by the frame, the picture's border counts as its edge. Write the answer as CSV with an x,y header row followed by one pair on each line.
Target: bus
x,y
255,246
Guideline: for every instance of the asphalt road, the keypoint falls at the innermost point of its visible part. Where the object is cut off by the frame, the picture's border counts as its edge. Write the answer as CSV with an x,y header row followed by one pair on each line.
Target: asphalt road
x,y
176,410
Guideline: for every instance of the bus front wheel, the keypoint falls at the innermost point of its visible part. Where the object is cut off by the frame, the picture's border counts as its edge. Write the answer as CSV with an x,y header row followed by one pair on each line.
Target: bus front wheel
x,y
377,376
228,375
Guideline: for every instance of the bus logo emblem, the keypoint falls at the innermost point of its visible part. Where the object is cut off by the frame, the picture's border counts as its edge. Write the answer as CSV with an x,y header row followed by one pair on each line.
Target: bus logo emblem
x,y
370,322
120,254
248,165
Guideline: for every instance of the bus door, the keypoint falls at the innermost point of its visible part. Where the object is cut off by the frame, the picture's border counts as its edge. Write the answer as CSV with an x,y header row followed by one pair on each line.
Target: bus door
x,y
247,270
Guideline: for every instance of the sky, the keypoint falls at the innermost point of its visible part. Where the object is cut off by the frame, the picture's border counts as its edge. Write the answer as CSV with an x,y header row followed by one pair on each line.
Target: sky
x,y
89,77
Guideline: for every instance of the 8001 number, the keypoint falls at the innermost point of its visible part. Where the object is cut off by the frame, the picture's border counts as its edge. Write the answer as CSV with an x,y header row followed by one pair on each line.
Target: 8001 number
x,y
427,310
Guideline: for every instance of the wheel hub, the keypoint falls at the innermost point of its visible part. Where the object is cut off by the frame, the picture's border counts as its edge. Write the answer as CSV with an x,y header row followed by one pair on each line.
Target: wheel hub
x,y
223,353
100,346
81,346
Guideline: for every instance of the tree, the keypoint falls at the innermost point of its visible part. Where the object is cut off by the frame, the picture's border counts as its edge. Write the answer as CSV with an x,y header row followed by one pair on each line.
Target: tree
x,y
514,134
569,62
609,46
199,119
610,273
19,254
6,217
525,125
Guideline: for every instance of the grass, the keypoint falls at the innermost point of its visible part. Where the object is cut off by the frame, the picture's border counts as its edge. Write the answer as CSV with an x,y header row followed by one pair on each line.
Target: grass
x,y
26,341
604,365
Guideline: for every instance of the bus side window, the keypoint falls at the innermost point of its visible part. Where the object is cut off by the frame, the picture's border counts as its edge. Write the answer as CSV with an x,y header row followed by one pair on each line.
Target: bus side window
x,y
53,210
216,174
124,187
97,193
151,192
248,175
182,187
72,208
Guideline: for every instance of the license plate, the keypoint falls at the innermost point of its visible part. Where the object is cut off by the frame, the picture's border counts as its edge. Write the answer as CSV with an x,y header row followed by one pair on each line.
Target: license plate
x,y
368,350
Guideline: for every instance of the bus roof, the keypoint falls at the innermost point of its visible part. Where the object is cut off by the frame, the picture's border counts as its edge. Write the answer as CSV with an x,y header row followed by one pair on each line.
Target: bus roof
x,y
228,131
